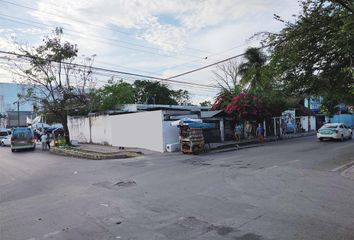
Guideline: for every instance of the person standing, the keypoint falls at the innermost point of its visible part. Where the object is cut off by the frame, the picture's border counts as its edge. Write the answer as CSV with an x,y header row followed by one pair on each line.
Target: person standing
x,y
48,140
238,131
248,130
44,141
260,133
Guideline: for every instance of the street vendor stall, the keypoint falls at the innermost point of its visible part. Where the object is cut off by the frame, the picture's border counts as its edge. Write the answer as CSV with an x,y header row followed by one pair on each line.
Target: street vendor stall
x,y
191,135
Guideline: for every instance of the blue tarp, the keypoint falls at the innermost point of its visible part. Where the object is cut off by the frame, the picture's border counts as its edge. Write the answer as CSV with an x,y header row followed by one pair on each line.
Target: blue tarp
x,y
347,119
199,125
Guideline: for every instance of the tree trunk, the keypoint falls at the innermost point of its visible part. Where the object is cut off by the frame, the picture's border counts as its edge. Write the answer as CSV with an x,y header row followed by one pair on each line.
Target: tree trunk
x,y
64,120
66,131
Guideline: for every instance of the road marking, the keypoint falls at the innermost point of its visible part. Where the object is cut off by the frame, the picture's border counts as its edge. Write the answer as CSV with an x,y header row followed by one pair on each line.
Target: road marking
x,y
51,234
347,165
344,173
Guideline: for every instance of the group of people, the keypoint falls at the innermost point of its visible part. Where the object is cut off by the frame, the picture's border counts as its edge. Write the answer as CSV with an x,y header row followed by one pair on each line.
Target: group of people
x,y
44,137
248,131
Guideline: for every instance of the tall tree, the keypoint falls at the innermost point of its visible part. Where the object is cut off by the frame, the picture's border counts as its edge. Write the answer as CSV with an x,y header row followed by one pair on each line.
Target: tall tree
x,y
58,84
181,97
158,93
205,103
227,77
315,55
112,95
251,70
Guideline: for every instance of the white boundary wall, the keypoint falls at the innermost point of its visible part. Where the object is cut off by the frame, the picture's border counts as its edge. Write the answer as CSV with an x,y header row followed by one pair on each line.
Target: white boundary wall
x,y
305,125
79,129
141,130
101,129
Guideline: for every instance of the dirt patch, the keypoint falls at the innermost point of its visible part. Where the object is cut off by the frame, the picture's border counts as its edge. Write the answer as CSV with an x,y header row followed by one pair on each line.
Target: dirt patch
x,y
196,162
249,236
192,228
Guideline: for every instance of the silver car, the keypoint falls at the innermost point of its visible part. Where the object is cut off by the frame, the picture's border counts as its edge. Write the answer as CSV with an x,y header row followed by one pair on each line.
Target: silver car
x,y
334,131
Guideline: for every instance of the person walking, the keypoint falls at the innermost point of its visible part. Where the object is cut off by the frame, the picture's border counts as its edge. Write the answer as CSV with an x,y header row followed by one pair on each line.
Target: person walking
x,y
260,133
238,131
248,130
48,140
44,141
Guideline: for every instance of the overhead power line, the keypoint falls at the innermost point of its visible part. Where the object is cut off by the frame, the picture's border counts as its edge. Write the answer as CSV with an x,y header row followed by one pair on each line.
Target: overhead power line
x,y
110,41
116,71
83,22
210,65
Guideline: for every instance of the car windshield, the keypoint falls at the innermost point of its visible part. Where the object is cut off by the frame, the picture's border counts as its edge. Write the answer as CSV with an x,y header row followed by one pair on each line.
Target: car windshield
x,y
22,133
2,134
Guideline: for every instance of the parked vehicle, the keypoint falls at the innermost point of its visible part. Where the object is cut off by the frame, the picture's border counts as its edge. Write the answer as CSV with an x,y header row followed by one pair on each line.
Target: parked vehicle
x,y
6,141
22,138
4,133
334,131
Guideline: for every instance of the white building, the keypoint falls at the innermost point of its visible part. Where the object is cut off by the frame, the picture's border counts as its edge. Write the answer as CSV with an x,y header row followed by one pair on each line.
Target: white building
x,y
150,129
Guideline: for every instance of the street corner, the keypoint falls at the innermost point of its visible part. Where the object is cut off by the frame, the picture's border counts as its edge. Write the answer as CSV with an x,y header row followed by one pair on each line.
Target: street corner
x,y
94,155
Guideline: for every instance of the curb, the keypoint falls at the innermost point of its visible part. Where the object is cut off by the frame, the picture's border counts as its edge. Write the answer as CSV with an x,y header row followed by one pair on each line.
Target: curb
x,y
84,154
234,147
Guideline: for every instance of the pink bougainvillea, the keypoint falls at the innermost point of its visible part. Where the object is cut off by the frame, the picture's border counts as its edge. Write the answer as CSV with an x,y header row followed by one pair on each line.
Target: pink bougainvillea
x,y
242,107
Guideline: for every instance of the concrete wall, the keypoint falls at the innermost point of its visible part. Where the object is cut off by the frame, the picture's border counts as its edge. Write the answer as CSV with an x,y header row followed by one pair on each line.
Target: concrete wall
x,y
304,123
101,129
79,129
141,130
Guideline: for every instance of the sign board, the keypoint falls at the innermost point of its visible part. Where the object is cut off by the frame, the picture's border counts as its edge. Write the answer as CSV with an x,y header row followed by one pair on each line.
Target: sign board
x,y
288,121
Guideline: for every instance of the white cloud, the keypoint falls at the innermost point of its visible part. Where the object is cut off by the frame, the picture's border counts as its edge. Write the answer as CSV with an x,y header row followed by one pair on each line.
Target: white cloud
x,y
145,19
173,27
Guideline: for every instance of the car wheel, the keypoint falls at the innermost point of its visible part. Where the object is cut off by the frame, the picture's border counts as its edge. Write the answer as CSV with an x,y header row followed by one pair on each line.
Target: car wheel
x,y
12,150
2,144
350,136
321,139
342,138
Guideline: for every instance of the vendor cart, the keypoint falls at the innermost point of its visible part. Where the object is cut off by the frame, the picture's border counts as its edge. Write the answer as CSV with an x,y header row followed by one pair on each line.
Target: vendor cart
x,y
191,134
191,139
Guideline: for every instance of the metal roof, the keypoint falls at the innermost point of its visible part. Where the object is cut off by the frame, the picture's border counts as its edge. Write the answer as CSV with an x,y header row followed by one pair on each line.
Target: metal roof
x,y
209,114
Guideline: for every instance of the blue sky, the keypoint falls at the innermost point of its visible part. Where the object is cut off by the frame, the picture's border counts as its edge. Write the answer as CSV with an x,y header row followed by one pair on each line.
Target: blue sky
x,y
154,37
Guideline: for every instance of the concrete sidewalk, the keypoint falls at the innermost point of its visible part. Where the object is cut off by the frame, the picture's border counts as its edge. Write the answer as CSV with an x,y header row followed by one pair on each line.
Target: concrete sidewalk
x,y
254,142
99,152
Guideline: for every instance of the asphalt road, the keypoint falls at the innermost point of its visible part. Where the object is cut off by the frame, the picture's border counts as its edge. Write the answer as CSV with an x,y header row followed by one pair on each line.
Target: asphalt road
x,y
280,191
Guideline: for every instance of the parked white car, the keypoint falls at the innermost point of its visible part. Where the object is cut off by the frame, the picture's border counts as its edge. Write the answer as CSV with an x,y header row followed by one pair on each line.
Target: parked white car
x,y
6,141
334,131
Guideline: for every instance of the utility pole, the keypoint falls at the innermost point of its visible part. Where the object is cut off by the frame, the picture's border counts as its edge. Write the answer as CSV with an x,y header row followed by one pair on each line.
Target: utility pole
x,y
18,112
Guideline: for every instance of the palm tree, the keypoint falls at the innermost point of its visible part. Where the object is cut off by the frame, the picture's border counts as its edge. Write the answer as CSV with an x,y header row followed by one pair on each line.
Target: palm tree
x,y
251,69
